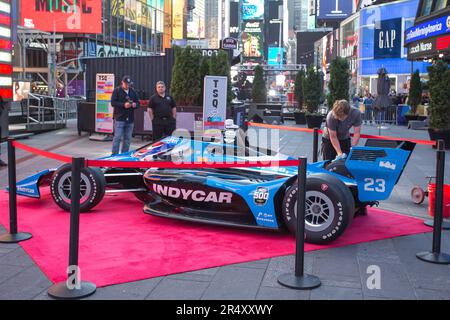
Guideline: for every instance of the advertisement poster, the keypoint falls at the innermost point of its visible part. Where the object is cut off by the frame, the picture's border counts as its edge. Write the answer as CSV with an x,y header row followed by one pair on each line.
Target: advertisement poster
x,y
83,16
21,90
103,109
214,102
253,40
252,9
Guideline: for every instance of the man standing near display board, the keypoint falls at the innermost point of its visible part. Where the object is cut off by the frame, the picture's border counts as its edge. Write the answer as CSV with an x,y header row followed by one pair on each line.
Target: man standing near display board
x,y
163,112
124,100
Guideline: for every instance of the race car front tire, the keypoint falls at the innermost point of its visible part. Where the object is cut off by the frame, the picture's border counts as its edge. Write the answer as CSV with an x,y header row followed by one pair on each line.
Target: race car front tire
x,y
92,187
330,208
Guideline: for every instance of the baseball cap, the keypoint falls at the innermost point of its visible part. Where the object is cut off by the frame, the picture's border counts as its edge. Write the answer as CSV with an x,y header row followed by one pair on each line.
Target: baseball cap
x,y
127,79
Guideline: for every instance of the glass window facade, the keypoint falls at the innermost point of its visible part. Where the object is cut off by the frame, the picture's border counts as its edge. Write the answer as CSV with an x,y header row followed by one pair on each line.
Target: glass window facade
x,y
440,4
130,28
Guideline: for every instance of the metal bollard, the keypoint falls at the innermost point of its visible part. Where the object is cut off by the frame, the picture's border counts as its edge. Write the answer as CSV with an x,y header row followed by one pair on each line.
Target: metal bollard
x,y
315,144
79,289
13,236
299,280
435,256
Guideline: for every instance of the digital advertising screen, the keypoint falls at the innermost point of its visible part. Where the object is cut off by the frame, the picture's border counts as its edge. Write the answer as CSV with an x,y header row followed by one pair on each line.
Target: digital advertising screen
x,y
275,56
253,39
62,16
333,9
252,9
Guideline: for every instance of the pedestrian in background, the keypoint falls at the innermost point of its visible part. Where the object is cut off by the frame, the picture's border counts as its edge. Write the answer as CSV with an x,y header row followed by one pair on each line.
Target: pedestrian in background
x,y
2,108
336,141
124,101
163,112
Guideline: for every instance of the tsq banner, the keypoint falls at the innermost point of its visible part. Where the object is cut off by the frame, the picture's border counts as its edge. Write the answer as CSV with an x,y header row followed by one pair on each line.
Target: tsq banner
x,y
214,102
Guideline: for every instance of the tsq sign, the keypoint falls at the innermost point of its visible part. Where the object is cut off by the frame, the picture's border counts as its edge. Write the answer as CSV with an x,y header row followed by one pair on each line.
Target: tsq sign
x,y
214,102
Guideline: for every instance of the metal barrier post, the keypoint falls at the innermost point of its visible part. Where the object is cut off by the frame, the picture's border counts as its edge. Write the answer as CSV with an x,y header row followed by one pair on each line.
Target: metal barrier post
x,y
299,280
435,256
73,287
315,143
13,236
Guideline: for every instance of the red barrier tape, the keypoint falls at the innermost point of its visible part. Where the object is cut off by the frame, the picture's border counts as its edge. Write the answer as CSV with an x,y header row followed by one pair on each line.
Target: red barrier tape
x,y
175,165
366,136
43,153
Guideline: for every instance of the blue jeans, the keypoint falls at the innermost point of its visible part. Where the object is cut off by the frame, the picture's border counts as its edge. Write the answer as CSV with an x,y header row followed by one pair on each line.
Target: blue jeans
x,y
122,129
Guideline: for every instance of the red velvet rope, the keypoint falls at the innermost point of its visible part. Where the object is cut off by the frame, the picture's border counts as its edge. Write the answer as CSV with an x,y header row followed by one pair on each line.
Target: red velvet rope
x,y
43,153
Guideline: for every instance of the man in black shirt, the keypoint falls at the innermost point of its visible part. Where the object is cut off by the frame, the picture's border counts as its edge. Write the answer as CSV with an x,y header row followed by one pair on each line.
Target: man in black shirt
x,y
124,101
163,112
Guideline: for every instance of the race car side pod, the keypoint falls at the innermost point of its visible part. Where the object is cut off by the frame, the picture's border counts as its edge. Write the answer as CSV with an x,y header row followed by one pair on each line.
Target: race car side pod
x,y
435,256
315,144
73,288
299,280
13,236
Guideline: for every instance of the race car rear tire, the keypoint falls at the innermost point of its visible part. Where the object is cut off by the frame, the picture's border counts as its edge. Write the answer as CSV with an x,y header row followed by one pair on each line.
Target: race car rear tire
x,y
330,208
92,187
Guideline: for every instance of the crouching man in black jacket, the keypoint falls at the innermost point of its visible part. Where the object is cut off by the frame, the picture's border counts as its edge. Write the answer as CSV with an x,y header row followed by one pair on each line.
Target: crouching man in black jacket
x,y
124,101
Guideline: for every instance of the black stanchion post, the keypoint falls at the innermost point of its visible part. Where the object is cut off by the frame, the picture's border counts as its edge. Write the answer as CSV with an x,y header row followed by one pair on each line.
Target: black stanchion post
x,y
315,144
73,288
435,256
300,280
13,236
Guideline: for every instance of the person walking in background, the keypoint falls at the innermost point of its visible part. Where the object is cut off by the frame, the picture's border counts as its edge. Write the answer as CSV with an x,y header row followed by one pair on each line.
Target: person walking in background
x,y
2,108
124,101
163,112
368,108
336,142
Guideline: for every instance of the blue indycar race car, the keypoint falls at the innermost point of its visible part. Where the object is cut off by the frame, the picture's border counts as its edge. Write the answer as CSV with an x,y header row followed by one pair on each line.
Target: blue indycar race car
x,y
255,197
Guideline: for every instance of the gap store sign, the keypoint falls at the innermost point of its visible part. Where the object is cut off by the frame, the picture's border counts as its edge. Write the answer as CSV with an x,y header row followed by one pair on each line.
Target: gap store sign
x,y
388,39
381,38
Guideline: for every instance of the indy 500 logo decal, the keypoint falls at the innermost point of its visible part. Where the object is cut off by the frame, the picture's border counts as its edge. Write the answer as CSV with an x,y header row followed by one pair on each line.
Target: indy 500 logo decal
x,y
260,196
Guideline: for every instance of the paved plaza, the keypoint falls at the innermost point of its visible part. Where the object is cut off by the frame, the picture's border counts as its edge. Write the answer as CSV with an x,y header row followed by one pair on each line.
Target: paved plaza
x,y
343,271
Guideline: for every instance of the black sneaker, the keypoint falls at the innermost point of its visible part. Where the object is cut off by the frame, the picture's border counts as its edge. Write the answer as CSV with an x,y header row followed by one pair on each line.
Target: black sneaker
x,y
3,164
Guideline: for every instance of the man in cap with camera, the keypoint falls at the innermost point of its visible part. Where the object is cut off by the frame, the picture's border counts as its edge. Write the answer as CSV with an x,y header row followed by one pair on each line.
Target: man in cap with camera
x,y
124,101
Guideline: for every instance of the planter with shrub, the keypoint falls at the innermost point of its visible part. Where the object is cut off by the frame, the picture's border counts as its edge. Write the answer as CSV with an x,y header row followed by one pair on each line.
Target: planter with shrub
x,y
299,113
312,94
439,108
414,97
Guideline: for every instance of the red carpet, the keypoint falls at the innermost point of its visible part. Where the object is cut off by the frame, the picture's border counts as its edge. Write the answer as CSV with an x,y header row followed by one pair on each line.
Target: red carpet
x,y
119,243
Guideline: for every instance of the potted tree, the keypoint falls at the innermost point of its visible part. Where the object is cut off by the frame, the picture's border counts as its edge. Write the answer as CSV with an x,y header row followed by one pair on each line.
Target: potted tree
x,y
299,113
312,93
259,92
185,86
415,97
339,81
439,107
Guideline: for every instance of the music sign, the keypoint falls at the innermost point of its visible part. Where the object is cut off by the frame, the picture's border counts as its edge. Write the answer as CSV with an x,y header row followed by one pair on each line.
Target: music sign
x,y
82,16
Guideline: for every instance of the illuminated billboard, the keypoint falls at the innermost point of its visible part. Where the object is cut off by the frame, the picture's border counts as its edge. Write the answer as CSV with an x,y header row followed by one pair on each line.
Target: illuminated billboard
x,y
275,56
82,16
195,29
178,19
253,39
333,9
6,70
252,9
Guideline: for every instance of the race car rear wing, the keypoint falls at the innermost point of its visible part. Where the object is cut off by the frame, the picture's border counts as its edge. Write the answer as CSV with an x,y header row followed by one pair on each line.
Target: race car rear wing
x,y
377,167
